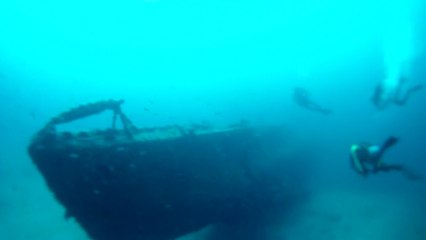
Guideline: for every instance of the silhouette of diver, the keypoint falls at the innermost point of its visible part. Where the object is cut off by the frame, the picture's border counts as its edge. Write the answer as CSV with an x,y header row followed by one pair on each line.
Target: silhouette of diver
x,y
303,98
384,96
366,158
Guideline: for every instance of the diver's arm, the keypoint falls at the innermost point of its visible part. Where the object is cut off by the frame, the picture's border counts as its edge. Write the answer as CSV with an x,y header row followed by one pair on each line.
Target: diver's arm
x,y
390,141
358,156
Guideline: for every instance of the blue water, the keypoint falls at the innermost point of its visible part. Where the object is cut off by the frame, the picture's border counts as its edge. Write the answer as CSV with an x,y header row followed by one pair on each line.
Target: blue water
x,y
186,62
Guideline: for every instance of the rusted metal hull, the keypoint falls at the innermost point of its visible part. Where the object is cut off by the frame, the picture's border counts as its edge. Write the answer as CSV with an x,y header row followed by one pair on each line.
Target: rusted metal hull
x,y
158,184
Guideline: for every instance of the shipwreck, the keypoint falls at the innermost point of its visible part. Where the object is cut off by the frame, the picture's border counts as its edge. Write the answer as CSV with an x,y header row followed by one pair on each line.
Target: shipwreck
x,y
160,183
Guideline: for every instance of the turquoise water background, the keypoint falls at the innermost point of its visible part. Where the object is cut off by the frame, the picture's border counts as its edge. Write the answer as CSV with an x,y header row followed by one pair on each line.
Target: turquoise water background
x,y
185,62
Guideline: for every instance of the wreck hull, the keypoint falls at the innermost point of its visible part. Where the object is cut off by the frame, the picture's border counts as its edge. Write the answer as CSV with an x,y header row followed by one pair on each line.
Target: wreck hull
x,y
157,183
157,189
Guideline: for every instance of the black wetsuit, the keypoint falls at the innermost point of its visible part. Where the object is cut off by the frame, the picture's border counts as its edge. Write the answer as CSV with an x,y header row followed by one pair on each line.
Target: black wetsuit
x,y
398,98
302,98
366,159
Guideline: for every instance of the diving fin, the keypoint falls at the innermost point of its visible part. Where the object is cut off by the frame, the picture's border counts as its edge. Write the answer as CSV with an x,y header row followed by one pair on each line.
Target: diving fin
x,y
411,175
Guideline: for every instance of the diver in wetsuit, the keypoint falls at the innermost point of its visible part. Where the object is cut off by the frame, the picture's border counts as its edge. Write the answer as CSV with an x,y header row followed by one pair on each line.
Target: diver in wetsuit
x,y
303,98
367,159
383,96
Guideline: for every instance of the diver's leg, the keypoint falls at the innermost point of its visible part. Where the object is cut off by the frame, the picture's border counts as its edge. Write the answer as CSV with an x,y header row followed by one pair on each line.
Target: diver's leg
x,y
408,173
312,106
326,111
315,107
403,100
391,167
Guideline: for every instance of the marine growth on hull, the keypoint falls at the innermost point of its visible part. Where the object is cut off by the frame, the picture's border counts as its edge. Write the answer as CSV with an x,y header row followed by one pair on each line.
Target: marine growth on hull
x,y
155,183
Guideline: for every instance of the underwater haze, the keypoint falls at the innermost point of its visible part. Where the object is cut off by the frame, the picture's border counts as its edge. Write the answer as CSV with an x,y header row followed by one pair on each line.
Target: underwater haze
x,y
216,63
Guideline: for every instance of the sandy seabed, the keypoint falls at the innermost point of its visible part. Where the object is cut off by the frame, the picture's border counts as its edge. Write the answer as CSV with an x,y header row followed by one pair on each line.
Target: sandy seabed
x,y
337,214
29,211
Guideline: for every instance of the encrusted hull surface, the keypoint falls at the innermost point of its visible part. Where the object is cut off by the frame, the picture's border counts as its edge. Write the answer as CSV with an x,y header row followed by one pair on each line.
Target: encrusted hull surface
x,y
152,184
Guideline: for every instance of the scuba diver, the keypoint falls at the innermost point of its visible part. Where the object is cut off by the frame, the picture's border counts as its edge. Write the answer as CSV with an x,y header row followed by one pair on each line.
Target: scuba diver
x,y
383,96
366,159
303,98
